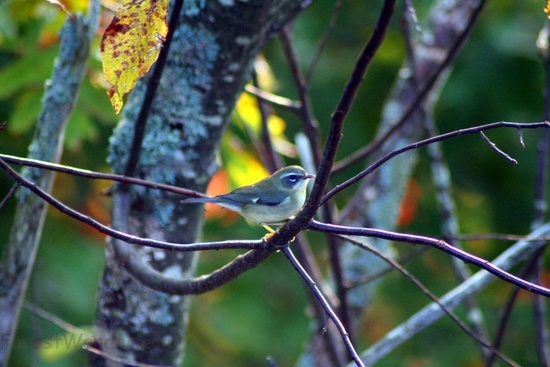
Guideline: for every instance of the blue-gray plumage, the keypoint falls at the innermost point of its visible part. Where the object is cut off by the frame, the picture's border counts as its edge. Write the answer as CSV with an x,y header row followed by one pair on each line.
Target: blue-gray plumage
x,y
271,200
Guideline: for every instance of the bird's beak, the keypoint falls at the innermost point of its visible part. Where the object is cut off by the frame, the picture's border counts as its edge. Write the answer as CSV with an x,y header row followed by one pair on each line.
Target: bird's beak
x,y
309,176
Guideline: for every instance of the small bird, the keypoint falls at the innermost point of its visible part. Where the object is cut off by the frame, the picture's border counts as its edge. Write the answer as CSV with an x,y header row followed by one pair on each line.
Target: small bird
x,y
271,200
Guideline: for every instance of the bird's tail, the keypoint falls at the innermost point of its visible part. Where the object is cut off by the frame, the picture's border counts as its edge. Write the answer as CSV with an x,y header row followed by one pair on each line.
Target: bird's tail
x,y
197,200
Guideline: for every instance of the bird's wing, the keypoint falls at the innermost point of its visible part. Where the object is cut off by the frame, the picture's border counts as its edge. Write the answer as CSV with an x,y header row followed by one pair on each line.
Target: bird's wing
x,y
253,196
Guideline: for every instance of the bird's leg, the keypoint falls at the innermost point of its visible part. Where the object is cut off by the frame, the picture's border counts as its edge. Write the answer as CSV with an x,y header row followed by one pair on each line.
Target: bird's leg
x,y
270,230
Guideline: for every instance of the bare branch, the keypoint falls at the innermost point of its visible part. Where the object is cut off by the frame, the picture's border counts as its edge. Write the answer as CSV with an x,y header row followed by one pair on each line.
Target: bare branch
x,y
421,95
339,116
472,285
311,130
395,265
494,147
271,160
273,99
98,175
121,235
506,312
310,125
396,152
313,287
445,247
62,324
324,39
9,194
150,92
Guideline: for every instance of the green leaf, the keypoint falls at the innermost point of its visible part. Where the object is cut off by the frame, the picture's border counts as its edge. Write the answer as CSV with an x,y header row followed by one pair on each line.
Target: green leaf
x,y
31,70
25,113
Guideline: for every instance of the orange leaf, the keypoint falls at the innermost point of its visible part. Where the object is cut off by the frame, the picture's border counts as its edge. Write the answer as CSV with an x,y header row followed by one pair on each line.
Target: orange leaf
x,y
131,44
407,211
217,186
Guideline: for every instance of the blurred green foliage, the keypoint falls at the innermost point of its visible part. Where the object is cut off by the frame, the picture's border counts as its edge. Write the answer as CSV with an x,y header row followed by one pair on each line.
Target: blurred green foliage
x,y
497,76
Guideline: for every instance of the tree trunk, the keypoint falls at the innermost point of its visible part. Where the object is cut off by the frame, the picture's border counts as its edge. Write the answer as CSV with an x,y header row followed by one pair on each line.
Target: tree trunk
x,y
210,58
58,103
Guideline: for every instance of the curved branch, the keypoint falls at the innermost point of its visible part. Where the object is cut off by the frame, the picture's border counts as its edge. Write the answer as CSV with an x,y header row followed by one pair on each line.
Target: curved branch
x,y
98,175
331,314
220,245
528,247
396,265
387,157
420,96
147,275
150,92
472,285
337,122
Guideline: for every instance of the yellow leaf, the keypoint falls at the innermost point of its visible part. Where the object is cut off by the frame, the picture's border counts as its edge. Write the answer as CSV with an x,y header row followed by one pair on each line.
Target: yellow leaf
x,y
547,8
242,166
247,108
131,44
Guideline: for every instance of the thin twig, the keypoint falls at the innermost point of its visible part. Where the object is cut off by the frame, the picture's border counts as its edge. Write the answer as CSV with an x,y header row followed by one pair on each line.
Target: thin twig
x,y
124,236
324,39
441,177
386,270
497,236
331,348
84,335
433,242
150,92
51,318
430,313
98,175
495,148
9,194
119,360
339,116
395,265
311,130
419,97
313,287
273,99
506,312
271,159
390,155
310,125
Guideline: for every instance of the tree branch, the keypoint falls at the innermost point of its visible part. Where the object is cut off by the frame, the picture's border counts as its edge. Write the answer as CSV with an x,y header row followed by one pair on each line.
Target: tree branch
x,y
337,122
416,102
472,285
396,152
313,287
253,244
445,247
395,265
98,175
150,92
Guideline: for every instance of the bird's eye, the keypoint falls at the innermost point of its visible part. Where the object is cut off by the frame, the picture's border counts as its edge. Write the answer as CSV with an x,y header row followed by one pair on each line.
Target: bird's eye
x,y
293,178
